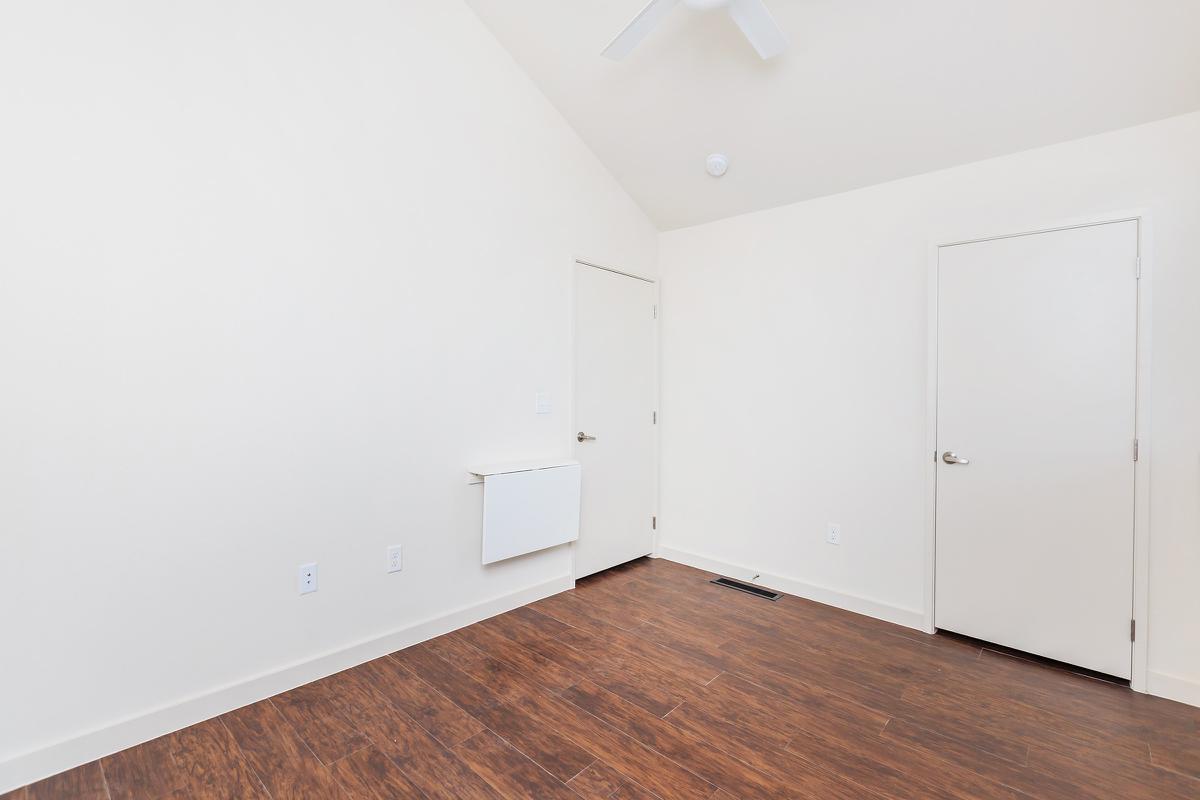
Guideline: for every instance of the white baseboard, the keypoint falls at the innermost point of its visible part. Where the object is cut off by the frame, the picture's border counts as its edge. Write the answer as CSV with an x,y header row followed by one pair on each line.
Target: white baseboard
x,y
1160,684
907,617
1172,687
34,765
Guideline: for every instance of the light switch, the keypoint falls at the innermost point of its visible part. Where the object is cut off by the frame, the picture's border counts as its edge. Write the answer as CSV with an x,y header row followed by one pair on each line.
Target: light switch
x,y
307,578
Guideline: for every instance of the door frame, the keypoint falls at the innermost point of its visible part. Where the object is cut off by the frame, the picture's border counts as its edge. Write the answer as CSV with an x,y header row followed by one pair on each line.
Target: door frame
x,y
579,261
1142,428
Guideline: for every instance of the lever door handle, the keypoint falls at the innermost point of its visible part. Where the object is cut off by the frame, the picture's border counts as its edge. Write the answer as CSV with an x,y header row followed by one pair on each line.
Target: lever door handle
x,y
951,458
583,437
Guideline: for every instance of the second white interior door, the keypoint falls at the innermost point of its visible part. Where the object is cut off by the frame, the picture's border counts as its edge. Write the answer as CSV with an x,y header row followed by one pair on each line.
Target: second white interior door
x,y
615,404
1037,351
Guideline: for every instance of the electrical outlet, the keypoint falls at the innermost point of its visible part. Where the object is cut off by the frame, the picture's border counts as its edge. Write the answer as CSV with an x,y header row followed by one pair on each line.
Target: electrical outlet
x,y
395,561
833,534
307,578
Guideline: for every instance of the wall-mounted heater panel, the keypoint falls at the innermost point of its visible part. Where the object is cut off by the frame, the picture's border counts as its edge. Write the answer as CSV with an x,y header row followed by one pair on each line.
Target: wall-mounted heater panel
x,y
528,506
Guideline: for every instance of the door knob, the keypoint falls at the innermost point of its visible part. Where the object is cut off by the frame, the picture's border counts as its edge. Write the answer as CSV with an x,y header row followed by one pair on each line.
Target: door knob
x,y
583,437
950,458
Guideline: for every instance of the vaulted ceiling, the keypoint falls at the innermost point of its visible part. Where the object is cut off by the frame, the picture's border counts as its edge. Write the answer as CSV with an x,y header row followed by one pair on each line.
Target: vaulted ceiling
x,y
870,91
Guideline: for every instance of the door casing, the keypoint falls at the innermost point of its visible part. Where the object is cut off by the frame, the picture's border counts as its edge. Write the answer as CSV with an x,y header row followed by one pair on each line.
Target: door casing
x,y
1141,527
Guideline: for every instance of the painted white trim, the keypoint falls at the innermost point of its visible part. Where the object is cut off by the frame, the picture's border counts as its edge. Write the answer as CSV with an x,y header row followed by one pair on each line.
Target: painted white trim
x,y
622,273
908,617
590,262
68,753
654,537
1172,687
1141,526
572,363
1139,681
930,456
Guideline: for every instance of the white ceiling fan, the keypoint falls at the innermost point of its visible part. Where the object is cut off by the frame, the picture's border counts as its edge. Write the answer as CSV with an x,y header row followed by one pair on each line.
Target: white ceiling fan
x,y
751,16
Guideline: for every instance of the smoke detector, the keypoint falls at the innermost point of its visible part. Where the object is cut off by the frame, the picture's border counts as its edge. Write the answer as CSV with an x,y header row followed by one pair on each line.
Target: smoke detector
x,y
717,164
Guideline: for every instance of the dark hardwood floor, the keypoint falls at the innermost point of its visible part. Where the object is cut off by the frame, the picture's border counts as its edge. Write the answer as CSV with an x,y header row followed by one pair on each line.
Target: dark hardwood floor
x,y
648,682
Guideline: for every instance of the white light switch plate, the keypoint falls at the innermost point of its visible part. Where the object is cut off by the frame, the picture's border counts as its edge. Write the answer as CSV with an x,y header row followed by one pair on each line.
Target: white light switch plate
x,y
307,578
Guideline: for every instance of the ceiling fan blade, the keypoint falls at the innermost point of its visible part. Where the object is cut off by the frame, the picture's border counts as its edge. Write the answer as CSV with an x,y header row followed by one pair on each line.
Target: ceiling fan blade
x,y
639,29
755,20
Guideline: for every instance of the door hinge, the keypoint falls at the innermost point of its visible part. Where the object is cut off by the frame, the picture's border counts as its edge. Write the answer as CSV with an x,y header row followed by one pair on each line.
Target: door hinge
x,y
654,523
1137,446
1133,630
654,417
1137,268
655,312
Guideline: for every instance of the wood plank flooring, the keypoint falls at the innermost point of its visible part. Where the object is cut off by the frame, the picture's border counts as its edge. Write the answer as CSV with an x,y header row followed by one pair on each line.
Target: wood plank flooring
x,y
648,682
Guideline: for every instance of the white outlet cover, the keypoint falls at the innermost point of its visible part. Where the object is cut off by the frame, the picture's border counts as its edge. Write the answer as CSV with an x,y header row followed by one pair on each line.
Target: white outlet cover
x,y
395,558
307,578
834,534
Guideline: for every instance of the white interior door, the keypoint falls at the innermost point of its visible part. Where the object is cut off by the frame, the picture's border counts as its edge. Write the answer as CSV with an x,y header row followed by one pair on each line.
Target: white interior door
x,y
1037,350
615,403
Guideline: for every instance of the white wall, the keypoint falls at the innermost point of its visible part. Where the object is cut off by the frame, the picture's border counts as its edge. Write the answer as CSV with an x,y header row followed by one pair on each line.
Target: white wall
x,y
794,374
272,274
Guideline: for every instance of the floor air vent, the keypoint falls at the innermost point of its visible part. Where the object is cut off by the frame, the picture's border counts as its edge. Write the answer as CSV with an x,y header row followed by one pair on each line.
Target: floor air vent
x,y
757,591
